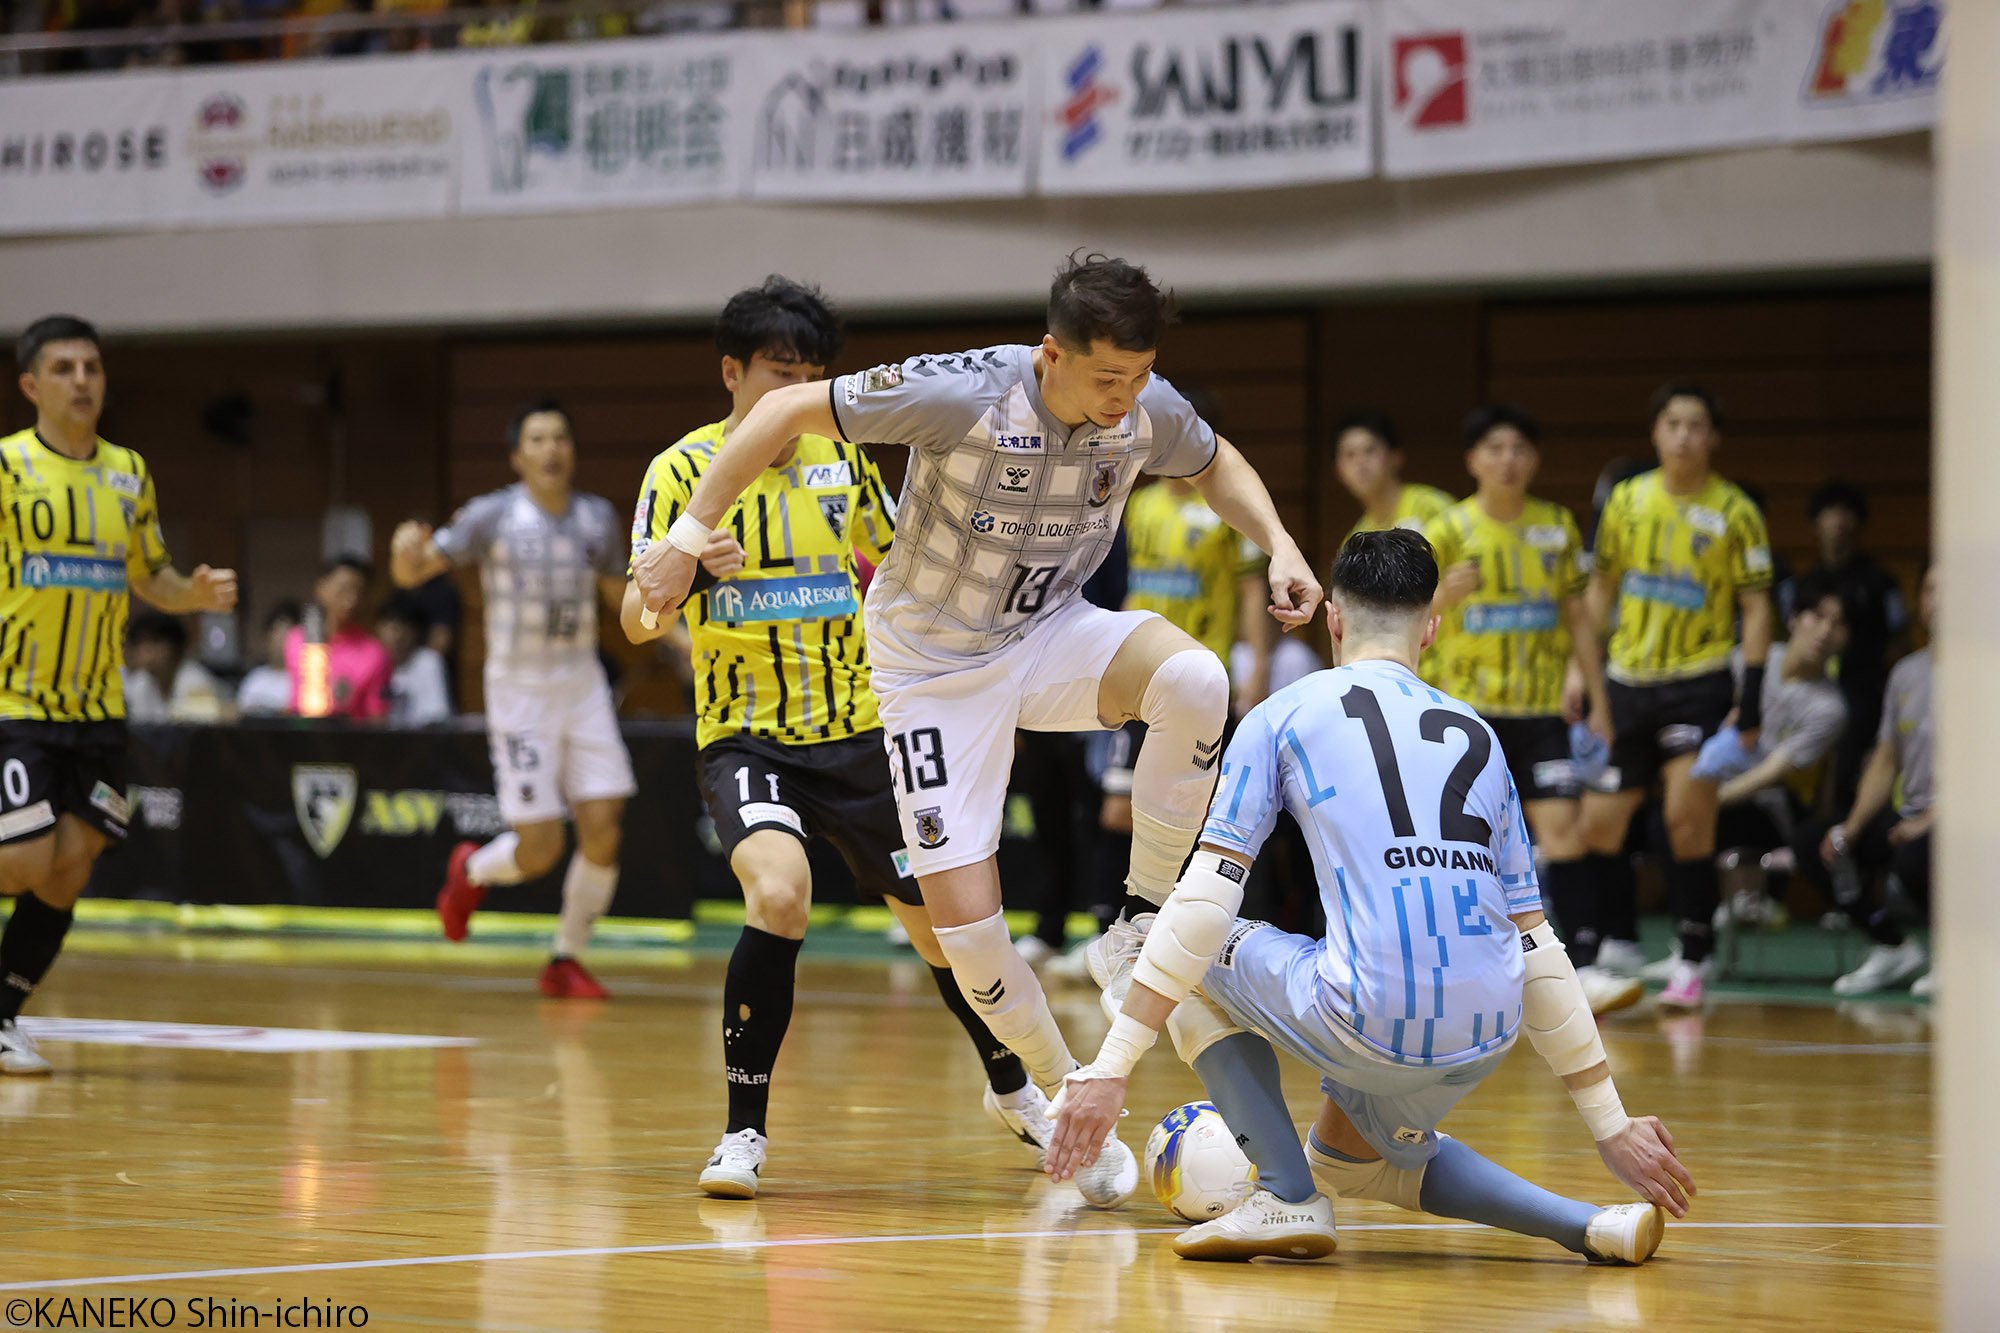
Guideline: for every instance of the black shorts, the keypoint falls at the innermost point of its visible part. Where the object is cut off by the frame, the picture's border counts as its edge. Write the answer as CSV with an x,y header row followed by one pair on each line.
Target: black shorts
x,y
1537,750
1656,723
52,769
837,790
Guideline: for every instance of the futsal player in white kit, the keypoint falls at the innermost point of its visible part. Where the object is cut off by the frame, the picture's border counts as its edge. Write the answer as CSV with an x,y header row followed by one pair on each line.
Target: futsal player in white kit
x,y
546,553
1021,460
1436,958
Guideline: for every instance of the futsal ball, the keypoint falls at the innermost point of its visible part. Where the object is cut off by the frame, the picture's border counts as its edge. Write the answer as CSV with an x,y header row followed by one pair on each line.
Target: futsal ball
x,y
1198,1171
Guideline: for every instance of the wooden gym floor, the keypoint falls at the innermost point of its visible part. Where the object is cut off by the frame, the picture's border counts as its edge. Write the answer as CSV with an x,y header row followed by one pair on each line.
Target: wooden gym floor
x,y
541,1175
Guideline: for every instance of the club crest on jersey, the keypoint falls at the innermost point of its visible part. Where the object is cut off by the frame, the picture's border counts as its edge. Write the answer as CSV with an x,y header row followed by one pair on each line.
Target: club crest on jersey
x,y
1103,478
323,797
930,827
834,509
1015,478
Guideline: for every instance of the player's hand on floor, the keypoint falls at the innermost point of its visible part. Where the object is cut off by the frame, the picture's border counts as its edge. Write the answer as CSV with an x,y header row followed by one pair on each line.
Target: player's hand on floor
x,y
1087,1108
214,589
723,555
663,573
1642,1156
1295,593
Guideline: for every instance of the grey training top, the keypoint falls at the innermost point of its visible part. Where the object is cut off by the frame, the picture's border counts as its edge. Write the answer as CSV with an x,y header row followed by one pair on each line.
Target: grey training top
x,y
1906,721
1005,510
539,572
1802,717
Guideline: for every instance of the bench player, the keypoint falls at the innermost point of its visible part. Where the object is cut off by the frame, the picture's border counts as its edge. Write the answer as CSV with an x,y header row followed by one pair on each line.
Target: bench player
x,y
546,552
790,743
1510,602
79,534
1021,460
1437,957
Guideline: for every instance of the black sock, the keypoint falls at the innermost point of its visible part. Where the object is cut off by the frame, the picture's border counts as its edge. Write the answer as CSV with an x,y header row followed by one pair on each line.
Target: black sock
x,y
1693,889
756,1010
1614,896
33,938
1134,904
1569,891
1883,928
1003,1068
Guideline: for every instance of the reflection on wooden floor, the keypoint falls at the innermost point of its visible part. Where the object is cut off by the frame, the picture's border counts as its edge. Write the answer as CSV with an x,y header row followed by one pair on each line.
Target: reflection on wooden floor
x,y
551,1166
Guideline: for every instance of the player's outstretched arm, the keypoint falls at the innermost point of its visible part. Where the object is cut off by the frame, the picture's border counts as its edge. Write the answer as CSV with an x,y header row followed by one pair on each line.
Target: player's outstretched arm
x,y
414,557
1238,496
1639,1151
665,570
1186,935
177,593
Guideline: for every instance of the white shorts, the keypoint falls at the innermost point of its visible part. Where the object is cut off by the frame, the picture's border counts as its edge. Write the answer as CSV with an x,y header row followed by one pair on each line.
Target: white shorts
x,y
950,735
555,742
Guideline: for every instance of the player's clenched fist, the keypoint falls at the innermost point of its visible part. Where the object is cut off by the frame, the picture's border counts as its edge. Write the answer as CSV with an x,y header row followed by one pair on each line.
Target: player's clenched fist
x,y
663,573
1294,591
214,589
724,555
1642,1156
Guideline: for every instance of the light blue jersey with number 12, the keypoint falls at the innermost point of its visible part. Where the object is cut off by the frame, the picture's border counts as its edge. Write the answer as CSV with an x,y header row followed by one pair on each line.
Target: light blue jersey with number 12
x,y
1421,850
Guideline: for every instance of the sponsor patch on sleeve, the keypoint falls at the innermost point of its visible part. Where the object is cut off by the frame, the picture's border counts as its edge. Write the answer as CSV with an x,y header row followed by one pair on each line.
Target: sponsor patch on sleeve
x,y
876,380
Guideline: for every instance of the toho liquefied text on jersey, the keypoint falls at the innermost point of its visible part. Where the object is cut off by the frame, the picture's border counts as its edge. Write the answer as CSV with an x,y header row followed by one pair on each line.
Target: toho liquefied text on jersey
x,y
1005,510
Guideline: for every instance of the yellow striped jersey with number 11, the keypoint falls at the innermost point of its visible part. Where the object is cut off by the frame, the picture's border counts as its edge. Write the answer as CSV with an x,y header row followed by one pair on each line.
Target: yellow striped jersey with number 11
x,y
1680,561
779,650
1504,649
74,535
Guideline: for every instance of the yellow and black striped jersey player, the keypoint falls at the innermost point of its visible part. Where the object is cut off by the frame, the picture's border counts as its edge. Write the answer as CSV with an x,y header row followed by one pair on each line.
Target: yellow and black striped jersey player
x,y
790,744
79,534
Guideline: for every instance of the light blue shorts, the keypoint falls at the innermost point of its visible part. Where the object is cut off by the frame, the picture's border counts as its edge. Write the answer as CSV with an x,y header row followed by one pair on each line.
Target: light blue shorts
x,y
1268,982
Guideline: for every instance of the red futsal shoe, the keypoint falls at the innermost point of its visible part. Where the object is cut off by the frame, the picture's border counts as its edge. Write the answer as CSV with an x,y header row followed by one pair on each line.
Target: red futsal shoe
x,y
566,979
460,897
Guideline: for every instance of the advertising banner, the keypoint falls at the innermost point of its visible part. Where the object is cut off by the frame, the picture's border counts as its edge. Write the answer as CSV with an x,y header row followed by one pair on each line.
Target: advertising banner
x,y
1864,68
938,112
604,124
87,152
1230,98
316,141
1483,85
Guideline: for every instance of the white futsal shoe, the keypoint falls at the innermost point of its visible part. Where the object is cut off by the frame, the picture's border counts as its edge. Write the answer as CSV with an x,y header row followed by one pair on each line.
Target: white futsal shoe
x,y
18,1054
1029,1121
1111,1179
737,1167
1625,1233
1263,1226
1112,956
1607,993
1886,967
1621,957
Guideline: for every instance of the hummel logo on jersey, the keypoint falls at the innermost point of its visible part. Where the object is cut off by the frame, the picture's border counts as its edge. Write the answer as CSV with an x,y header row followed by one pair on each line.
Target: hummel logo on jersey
x,y
1019,443
1015,477
990,994
1205,755
821,475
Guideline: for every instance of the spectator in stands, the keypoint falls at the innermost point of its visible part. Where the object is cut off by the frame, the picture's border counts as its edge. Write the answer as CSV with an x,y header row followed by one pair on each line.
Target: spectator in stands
x,y
1369,459
161,682
267,687
417,693
1889,825
1876,618
357,666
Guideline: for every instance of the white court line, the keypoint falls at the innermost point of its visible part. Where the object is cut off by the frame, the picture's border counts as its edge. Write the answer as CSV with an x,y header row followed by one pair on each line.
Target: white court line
x,y
599,1252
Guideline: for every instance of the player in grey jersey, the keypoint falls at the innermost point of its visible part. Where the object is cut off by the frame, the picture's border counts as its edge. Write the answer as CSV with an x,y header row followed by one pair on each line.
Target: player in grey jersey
x,y
1021,461
546,554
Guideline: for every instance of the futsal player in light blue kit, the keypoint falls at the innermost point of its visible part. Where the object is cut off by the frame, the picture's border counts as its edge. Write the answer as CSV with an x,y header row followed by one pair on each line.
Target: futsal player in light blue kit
x,y
1436,959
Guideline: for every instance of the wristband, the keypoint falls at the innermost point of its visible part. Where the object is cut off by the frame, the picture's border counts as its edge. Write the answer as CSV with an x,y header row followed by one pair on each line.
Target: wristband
x,y
689,534
1750,708
1602,1109
1127,1040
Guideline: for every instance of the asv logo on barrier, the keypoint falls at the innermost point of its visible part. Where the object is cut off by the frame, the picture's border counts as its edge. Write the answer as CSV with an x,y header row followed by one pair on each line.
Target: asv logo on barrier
x,y
1220,99
326,797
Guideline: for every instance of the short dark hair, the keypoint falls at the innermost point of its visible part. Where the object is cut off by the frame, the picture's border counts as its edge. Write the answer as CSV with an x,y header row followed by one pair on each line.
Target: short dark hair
x,y
1378,424
1838,494
780,316
1483,421
519,421
290,611
1095,297
349,560
1673,389
49,329
1391,570
404,609
158,627
1813,587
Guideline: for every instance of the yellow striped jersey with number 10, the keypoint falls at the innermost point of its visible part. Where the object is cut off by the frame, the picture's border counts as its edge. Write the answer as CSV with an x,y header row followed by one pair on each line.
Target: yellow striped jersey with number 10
x,y
1680,561
1504,649
1185,562
74,535
778,647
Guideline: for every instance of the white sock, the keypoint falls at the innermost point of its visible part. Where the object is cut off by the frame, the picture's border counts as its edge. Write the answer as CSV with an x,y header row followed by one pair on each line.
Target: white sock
x,y
587,890
1184,708
1002,988
494,863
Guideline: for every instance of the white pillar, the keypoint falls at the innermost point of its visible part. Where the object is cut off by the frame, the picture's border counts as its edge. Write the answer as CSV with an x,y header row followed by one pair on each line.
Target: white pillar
x,y
1967,487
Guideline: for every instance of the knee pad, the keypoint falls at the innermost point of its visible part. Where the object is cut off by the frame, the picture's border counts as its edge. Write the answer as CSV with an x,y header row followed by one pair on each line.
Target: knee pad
x,y
1189,693
1196,1024
993,976
1184,708
1377,1180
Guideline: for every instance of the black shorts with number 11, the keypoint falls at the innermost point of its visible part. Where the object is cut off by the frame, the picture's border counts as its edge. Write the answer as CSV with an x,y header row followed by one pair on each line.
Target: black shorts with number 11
x,y
838,790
